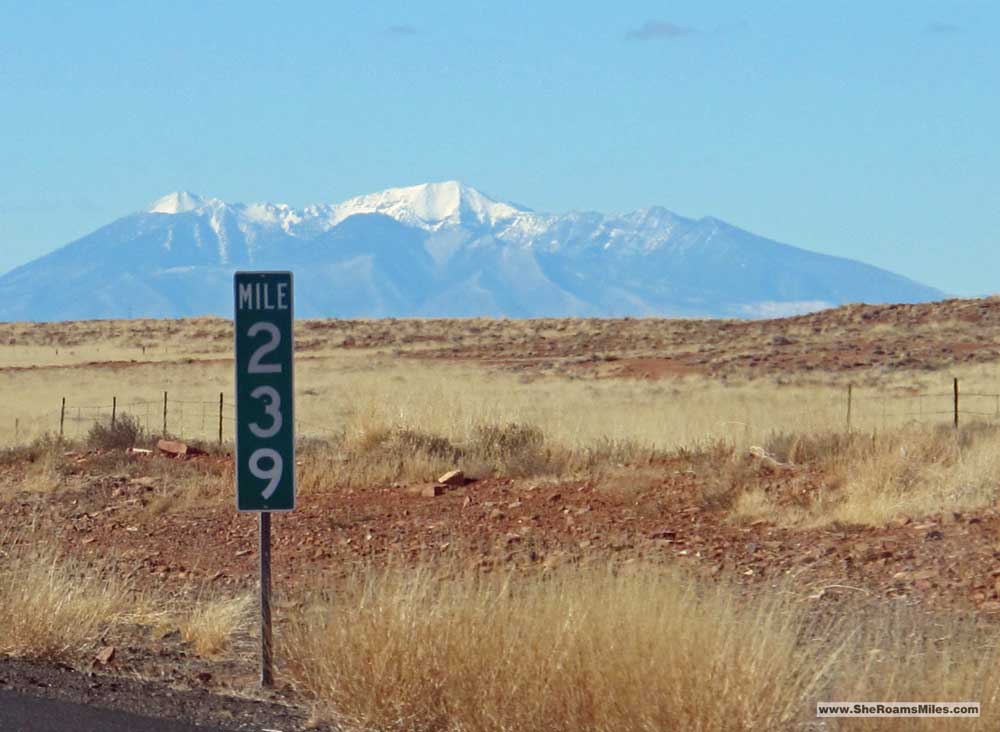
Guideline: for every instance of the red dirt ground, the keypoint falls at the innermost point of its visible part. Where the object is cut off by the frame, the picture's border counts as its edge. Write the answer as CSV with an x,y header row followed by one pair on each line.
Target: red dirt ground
x,y
944,561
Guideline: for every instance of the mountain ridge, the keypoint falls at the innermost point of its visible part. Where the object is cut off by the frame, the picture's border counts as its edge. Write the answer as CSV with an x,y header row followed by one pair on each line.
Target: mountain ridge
x,y
437,249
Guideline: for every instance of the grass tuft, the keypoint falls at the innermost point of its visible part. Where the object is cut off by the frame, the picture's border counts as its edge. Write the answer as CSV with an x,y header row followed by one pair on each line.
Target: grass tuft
x,y
583,649
52,607
212,623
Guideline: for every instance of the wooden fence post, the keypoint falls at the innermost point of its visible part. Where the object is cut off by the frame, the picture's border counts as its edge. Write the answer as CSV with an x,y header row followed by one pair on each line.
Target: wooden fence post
x,y
221,402
114,411
62,418
164,414
850,392
956,402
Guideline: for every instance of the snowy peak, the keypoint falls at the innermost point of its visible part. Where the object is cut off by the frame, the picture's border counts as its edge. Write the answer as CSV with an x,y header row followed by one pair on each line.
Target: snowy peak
x,y
176,203
450,251
429,206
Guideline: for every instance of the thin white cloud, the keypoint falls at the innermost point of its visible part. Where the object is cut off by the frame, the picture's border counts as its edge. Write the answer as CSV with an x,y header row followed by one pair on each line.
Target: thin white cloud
x,y
659,30
940,28
403,29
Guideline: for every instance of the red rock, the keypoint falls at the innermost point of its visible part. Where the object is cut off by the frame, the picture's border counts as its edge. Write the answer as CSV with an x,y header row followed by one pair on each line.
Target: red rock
x,y
429,491
176,449
452,477
105,655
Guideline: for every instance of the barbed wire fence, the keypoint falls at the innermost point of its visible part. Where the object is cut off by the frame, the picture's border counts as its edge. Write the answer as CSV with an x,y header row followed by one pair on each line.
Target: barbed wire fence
x,y
214,419
208,420
202,419
953,406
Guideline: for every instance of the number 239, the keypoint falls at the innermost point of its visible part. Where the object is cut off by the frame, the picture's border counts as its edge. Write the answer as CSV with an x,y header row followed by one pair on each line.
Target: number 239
x,y
272,408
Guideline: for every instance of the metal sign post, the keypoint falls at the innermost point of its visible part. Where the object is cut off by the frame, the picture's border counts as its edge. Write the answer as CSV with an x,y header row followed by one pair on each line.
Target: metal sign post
x,y
266,636
265,424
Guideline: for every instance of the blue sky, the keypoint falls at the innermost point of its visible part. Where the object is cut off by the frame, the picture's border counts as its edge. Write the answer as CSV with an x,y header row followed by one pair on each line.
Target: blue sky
x,y
867,130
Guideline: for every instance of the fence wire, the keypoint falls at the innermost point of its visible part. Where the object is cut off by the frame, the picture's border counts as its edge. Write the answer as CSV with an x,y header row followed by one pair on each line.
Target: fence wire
x,y
201,418
181,418
883,409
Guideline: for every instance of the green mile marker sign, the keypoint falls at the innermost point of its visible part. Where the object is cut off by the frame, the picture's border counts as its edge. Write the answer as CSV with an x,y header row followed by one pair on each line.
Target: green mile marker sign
x,y
265,418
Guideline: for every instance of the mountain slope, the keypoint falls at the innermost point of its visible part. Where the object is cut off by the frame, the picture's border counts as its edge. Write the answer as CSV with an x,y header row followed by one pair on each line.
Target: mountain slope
x,y
439,249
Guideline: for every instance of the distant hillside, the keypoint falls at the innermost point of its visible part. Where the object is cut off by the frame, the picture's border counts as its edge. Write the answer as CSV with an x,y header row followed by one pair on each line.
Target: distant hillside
x,y
439,249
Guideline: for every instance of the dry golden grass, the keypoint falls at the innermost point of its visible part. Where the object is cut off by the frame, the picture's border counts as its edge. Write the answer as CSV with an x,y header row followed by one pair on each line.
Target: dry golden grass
x,y
38,467
183,486
643,649
338,386
875,478
380,422
432,650
900,656
52,607
210,625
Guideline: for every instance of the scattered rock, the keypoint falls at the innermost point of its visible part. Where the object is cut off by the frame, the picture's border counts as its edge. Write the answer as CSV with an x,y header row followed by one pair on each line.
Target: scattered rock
x,y
761,454
177,449
452,477
429,491
105,655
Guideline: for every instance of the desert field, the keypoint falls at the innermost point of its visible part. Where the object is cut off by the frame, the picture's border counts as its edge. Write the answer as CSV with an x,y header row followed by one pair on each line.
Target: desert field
x,y
663,524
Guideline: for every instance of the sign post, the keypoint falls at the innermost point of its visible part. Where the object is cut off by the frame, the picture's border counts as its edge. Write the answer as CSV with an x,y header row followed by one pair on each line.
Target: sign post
x,y
265,424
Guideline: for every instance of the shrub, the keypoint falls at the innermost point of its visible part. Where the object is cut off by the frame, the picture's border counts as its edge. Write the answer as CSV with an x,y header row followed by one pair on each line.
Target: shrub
x,y
381,456
512,449
404,441
125,432
42,448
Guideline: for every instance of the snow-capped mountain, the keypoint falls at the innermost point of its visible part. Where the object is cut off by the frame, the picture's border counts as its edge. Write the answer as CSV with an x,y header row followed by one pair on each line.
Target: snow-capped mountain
x,y
438,249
